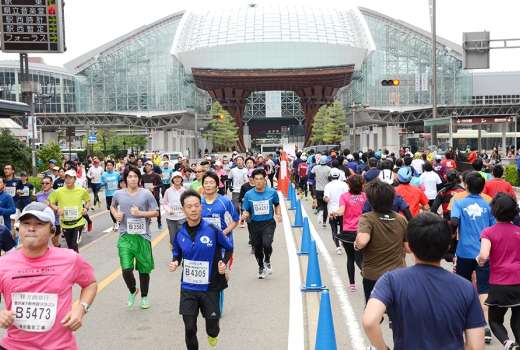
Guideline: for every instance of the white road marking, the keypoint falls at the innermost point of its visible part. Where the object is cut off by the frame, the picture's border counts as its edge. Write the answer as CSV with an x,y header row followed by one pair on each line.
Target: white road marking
x,y
108,230
295,338
356,337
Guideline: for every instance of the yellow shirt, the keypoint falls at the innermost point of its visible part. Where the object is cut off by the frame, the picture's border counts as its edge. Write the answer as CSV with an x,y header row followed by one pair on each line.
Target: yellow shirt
x,y
71,201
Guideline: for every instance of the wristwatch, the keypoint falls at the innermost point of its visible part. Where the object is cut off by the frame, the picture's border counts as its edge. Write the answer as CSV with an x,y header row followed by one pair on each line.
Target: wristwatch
x,y
86,306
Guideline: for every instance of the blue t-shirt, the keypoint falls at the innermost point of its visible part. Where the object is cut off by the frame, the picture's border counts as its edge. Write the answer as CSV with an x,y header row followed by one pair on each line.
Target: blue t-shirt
x,y
474,215
6,239
220,212
111,182
261,204
398,205
7,207
166,175
429,307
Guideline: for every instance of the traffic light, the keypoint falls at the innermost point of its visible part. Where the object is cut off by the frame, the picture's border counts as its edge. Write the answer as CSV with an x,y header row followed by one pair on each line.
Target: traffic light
x,y
390,82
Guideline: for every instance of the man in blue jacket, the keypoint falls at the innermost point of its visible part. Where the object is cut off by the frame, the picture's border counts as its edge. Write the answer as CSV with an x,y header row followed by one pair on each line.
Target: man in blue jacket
x,y
198,245
7,206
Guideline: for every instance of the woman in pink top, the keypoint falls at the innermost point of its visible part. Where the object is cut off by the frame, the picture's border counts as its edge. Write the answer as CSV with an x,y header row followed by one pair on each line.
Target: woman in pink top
x,y
351,207
500,244
37,281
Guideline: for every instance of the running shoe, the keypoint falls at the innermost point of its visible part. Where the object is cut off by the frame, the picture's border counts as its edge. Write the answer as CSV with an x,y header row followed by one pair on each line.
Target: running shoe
x,y
115,227
242,225
268,270
131,298
261,273
511,345
212,341
352,288
487,335
145,303
339,251
159,226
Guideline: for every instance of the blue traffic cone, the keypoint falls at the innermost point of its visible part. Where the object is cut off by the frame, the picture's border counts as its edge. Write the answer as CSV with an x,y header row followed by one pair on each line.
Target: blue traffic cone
x,y
325,335
306,238
292,198
313,281
298,217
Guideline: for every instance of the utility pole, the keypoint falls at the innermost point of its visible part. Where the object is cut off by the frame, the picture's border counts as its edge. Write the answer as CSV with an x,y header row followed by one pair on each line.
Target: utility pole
x,y
27,97
433,15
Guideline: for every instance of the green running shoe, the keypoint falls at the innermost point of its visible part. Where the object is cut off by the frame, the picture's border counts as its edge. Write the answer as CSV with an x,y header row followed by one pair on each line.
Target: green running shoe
x,y
131,298
145,303
212,341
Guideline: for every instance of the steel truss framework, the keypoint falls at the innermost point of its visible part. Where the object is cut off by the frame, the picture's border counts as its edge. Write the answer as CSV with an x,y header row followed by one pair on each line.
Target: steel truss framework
x,y
419,115
109,120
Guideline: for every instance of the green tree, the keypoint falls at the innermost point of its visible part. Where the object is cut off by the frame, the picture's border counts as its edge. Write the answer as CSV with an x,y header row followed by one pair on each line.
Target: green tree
x,y
47,152
222,130
321,120
14,151
336,124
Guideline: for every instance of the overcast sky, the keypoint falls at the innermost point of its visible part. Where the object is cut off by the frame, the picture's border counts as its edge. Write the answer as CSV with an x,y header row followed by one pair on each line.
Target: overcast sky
x,y
92,23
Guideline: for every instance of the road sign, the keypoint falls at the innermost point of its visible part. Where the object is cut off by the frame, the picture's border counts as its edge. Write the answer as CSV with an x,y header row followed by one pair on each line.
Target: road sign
x,y
471,120
476,50
92,139
32,26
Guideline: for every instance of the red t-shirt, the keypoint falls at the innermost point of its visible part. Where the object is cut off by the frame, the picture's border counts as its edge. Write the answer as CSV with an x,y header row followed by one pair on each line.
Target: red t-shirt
x,y
449,164
504,258
493,186
472,157
413,196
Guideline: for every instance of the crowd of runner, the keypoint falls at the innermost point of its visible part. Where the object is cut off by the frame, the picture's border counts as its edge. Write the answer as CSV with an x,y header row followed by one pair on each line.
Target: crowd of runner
x,y
380,207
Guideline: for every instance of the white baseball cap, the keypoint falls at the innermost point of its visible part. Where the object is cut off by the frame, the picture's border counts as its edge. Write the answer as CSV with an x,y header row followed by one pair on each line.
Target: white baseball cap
x,y
40,211
335,173
176,174
70,172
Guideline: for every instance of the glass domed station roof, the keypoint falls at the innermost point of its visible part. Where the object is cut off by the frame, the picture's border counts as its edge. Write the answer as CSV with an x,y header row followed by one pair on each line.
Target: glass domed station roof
x,y
271,36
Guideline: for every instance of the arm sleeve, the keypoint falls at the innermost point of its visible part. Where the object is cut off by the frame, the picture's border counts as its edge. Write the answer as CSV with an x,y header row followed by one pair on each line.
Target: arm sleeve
x,y
152,203
383,290
10,208
424,199
232,210
245,203
176,250
224,241
436,204
474,316
52,197
276,199
455,210
84,272
86,196
115,200
364,225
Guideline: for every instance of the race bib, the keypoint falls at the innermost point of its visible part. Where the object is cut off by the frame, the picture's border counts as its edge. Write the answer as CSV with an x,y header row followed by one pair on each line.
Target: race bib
x,y
70,213
177,210
34,312
136,226
11,191
214,220
165,176
261,207
148,186
112,185
195,272
25,191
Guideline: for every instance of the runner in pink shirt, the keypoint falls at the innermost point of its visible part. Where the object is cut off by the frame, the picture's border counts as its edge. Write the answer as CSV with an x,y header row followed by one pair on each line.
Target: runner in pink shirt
x,y
500,244
351,207
36,282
